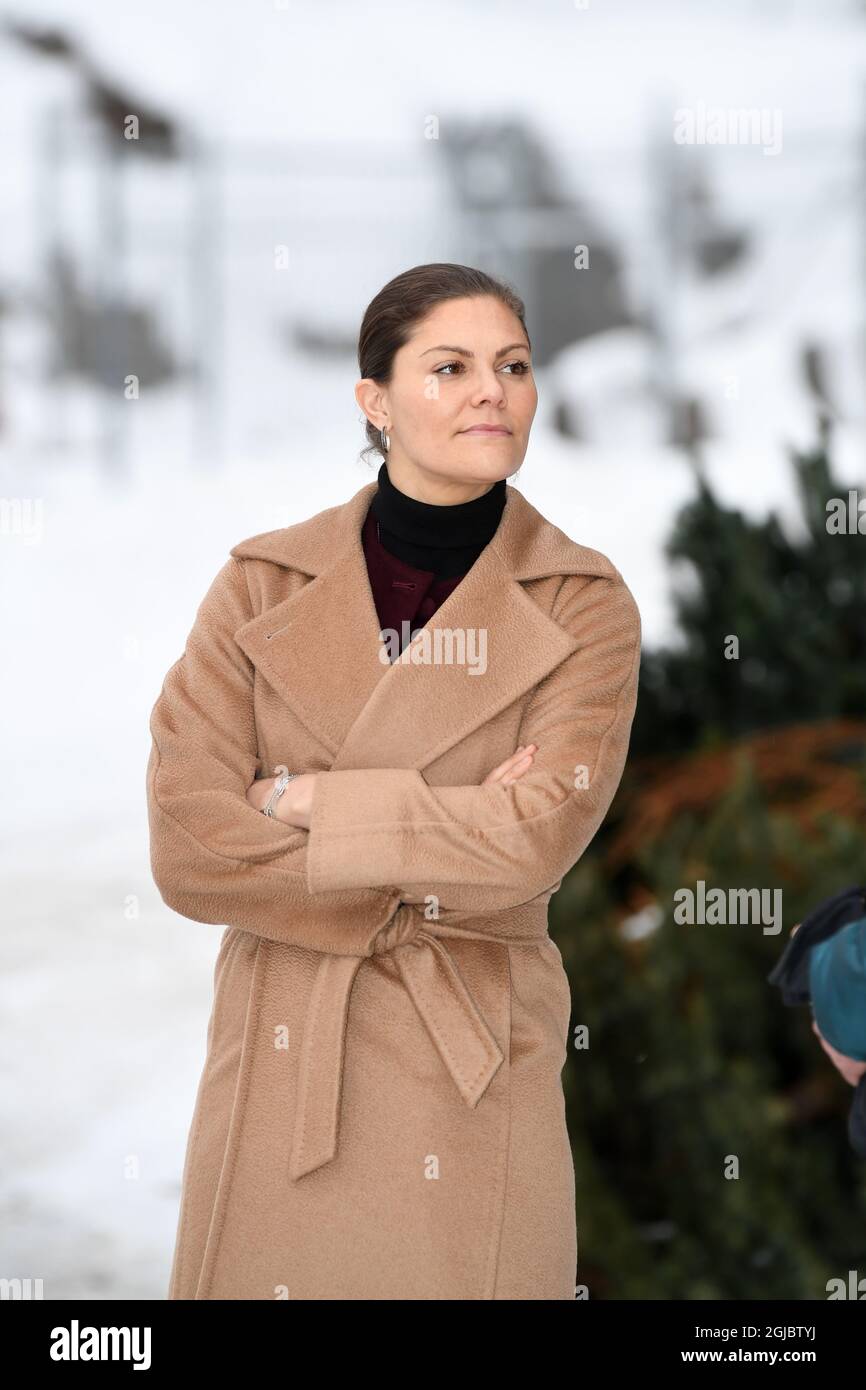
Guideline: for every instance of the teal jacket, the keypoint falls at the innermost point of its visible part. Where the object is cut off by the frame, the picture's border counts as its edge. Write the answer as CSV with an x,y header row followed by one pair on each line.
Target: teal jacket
x,y
837,984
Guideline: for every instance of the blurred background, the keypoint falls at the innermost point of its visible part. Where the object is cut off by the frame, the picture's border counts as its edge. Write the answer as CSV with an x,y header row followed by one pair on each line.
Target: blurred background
x,y
199,200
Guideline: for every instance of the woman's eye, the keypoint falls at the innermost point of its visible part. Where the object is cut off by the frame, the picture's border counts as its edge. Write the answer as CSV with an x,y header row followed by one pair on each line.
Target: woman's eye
x,y
523,368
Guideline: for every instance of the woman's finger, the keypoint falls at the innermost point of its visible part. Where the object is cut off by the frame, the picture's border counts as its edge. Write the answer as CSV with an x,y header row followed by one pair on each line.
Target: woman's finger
x,y
516,774
515,768
499,771
521,756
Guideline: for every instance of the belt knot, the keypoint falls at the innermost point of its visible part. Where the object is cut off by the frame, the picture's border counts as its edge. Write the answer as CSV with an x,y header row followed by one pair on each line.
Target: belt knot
x,y
404,926
459,1032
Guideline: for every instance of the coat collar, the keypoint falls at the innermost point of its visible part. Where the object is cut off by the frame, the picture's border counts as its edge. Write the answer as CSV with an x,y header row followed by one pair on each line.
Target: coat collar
x,y
320,647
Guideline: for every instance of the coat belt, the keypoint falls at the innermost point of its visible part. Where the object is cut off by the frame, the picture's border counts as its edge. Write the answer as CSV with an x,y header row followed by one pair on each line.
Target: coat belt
x,y
462,1038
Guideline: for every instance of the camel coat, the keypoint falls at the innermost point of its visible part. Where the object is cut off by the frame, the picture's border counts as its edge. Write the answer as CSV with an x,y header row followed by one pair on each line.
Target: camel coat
x,y
380,1113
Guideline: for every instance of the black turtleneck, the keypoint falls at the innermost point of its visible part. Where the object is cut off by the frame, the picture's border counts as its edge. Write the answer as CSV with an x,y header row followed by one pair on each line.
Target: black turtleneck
x,y
446,540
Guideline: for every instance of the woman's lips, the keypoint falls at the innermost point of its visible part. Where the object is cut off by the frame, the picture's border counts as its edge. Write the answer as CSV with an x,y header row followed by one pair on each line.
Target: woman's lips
x,y
486,429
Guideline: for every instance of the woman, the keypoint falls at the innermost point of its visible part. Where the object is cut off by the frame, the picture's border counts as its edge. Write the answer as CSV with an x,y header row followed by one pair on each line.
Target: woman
x,y
381,823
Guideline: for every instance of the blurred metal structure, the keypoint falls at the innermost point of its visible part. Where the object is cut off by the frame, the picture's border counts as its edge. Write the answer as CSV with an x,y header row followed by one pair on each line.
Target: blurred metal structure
x,y
162,252
521,223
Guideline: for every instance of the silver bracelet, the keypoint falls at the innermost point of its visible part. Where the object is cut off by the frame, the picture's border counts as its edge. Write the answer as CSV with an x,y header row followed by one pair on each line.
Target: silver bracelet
x,y
282,782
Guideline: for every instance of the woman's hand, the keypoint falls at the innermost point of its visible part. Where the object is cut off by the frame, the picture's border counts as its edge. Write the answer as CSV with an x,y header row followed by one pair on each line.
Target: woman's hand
x,y
295,804
513,767
848,1067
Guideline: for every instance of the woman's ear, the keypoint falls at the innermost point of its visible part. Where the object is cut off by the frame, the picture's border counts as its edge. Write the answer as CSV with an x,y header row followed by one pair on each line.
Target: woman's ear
x,y
371,398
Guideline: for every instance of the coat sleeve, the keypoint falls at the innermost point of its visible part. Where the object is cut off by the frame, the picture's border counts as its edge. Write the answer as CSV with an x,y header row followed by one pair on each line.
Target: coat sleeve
x,y
478,848
214,857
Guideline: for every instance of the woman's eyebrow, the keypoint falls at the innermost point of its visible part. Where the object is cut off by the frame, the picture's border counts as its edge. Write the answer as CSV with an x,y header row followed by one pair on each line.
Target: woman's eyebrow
x,y
464,352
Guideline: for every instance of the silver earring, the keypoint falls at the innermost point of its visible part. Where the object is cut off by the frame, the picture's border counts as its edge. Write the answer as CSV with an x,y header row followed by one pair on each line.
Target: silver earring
x,y
386,441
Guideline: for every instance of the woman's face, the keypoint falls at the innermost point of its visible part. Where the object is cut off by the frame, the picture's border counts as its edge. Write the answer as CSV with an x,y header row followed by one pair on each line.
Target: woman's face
x,y
466,365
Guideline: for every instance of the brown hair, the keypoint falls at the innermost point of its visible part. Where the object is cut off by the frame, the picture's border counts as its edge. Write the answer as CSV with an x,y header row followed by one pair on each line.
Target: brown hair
x,y
401,304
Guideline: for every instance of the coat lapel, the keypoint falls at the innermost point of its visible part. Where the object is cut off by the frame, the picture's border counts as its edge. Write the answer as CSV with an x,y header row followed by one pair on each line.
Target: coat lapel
x,y
320,647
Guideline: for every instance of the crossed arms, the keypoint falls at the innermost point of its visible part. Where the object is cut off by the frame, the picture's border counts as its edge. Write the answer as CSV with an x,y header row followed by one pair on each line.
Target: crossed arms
x,y
379,836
